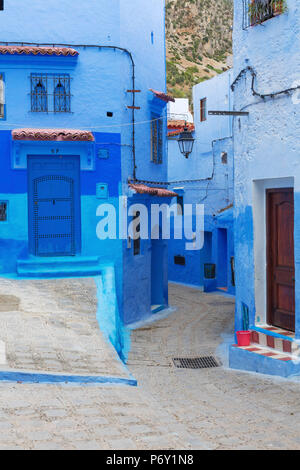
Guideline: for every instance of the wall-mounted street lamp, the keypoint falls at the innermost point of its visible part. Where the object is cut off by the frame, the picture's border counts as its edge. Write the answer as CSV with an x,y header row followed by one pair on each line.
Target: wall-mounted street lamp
x,y
186,142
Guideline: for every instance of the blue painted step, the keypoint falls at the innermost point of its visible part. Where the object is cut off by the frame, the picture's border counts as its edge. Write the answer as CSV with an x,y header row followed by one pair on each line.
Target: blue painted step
x,y
59,267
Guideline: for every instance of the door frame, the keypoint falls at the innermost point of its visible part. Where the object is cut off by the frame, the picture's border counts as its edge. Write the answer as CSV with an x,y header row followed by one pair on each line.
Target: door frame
x,y
269,280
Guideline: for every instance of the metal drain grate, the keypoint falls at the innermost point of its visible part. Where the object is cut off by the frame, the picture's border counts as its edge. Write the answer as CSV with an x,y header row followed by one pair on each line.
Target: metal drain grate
x,y
204,362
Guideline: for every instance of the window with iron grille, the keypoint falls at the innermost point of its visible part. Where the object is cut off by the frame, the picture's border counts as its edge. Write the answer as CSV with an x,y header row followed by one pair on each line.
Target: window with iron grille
x,y
3,211
258,11
2,97
156,139
203,110
50,93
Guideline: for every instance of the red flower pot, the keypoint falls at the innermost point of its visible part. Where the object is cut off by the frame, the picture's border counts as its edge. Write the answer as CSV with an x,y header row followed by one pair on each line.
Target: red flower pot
x,y
243,338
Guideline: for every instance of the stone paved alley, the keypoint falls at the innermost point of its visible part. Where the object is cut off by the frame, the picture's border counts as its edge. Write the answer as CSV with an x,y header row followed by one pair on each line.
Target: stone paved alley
x,y
51,326
170,409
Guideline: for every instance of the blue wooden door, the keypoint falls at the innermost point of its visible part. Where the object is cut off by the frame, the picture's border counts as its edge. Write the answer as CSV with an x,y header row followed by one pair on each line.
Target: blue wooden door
x,y
54,205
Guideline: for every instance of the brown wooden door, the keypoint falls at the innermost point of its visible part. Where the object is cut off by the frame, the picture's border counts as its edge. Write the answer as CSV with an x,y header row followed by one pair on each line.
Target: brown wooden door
x,y
280,258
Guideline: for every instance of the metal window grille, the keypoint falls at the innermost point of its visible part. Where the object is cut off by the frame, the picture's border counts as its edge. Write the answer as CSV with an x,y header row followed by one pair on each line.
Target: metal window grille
x,y
156,140
3,211
258,11
209,271
2,97
62,95
203,109
47,86
153,141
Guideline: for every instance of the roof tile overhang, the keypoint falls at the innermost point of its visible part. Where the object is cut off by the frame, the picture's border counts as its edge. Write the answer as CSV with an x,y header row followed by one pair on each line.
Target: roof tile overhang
x,y
35,50
60,135
175,127
143,189
163,96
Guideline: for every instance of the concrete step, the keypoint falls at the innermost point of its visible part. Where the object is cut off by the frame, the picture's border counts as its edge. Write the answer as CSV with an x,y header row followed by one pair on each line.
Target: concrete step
x,y
274,338
263,360
272,351
59,267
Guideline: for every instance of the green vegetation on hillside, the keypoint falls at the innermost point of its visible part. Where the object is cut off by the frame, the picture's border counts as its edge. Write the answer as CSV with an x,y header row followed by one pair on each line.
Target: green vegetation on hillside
x,y
198,42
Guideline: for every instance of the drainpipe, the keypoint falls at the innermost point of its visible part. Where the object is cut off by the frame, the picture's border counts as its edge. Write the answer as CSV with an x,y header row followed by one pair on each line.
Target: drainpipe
x,y
95,46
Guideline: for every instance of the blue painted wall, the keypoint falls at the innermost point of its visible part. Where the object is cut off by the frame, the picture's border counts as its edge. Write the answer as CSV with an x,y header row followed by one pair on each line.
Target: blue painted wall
x,y
213,186
266,146
100,79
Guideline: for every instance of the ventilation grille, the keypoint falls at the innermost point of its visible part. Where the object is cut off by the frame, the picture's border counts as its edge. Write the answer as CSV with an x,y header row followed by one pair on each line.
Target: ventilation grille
x,y
209,271
204,362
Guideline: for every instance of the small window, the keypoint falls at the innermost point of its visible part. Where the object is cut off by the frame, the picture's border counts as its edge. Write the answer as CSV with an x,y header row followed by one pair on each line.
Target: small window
x,y
137,236
224,158
179,260
179,205
39,98
3,211
203,110
209,271
50,93
1,4
232,265
2,97
156,139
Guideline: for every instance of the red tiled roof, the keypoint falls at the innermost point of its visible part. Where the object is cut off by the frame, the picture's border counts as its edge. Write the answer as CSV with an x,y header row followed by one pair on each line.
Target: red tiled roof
x,y
143,189
32,50
175,127
163,96
52,134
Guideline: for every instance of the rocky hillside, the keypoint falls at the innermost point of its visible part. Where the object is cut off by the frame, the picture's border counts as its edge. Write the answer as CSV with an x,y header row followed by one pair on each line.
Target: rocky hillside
x,y
199,42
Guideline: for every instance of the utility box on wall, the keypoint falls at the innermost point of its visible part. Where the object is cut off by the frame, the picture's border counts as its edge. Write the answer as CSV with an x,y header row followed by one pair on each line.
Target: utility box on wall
x,y
103,153
102,191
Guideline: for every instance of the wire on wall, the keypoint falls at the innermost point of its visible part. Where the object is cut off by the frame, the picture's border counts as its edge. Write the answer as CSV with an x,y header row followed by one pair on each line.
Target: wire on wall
x,y
208,179
254,91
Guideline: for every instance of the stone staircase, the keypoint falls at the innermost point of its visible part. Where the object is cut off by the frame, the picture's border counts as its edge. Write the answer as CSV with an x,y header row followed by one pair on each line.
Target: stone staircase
x,y
77,266
280,341
270,347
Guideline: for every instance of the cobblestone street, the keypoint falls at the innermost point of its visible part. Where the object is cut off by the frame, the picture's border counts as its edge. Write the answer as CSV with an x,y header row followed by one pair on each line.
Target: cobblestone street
x,y
171,408
219,408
